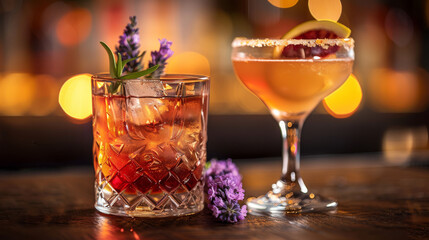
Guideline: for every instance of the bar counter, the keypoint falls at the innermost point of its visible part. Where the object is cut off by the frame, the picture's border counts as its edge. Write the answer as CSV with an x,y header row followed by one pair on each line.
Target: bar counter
x,y
376,201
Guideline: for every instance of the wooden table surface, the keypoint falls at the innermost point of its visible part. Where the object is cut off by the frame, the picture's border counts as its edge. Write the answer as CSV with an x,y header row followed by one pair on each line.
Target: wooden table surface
x,y
375,202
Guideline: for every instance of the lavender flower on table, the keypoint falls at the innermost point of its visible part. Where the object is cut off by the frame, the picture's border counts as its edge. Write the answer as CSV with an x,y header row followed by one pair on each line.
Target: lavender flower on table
x,y
222,167
224,190
160,57
129,46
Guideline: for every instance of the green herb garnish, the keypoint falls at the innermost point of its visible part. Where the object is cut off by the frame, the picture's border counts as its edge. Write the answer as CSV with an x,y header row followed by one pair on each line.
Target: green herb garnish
x,y
117,67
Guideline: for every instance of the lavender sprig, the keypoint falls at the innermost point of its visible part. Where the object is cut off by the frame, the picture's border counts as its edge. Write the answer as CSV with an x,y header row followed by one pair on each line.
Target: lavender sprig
x,y
224,190
128,58
129,46
160,57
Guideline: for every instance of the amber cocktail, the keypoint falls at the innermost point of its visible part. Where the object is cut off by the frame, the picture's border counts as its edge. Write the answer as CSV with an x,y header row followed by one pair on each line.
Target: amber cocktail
x,y
150,144
292,86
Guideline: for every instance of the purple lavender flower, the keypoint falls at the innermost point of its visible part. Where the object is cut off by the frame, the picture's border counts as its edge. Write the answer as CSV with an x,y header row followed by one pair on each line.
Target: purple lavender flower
x,y
224,190
218,168
129,46
228,211
160,57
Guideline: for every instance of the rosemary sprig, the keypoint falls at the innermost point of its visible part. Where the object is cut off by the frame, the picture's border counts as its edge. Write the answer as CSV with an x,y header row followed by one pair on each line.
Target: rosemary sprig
x,y
117,67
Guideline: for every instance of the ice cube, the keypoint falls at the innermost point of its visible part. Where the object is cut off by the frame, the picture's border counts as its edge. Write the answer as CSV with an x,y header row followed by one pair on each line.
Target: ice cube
x,y
144,88
144,117
141,111
115,115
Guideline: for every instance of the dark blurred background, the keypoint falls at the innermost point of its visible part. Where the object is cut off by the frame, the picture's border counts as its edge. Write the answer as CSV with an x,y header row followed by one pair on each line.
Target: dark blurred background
x,y
383,109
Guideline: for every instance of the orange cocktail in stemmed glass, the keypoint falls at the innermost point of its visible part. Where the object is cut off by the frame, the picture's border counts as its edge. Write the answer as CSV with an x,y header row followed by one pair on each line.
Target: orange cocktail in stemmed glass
x,y
291,85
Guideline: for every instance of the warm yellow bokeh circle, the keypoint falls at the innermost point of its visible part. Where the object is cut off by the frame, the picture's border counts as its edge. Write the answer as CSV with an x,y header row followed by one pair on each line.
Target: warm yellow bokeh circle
x,y
17,93
345,100
325,9
75,96
283,3
189,63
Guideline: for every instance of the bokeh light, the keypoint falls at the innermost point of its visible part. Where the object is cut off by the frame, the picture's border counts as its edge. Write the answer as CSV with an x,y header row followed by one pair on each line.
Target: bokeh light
x,y
399,144
75,96
74,27
17,92
325,9
45,98
398,91
188,63
283,3
345,100
399,26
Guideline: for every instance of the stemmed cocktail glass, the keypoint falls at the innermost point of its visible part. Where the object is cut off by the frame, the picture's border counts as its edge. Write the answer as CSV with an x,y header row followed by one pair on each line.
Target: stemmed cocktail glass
x,y
291,76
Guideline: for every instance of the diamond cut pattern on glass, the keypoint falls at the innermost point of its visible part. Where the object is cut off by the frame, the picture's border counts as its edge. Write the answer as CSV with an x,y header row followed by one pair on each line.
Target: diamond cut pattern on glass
x,y
131,199
144,183
148,151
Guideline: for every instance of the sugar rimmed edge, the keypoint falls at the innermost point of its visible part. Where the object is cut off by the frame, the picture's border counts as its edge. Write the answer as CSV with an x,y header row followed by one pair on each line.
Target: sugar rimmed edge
x,y
324,43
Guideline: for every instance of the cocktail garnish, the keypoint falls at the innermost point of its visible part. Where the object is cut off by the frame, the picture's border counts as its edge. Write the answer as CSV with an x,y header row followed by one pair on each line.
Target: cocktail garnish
x,y
129,46
318,29
160,57
129,61
117,67
323,29
224,189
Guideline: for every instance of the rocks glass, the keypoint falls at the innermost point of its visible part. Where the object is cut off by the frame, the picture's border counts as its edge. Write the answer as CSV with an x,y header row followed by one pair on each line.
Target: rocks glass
x,y
149,144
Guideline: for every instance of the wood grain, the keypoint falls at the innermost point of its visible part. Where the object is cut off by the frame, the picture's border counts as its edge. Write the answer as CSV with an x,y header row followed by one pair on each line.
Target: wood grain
x,y
375,202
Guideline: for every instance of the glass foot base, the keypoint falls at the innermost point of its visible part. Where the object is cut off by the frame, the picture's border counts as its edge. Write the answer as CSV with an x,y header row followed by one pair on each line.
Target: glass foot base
x,y
150,214
290,203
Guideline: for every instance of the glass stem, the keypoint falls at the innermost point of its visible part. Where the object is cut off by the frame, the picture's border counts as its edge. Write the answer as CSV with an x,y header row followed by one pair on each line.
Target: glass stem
x,y
291,178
